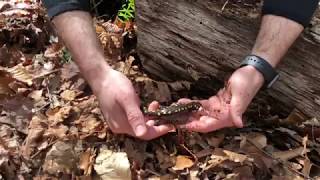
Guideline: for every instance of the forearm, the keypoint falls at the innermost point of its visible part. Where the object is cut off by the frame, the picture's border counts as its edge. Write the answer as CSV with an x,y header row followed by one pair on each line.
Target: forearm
x,y
77,32
276,36
282,23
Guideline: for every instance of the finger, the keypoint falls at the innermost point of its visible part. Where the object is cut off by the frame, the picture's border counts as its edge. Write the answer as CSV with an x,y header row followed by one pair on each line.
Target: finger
x,y
150,123
157,131
184,101
134,115
153,106
207,124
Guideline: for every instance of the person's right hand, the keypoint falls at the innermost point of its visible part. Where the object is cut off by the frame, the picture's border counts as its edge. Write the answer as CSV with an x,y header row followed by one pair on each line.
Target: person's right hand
x,y
121,107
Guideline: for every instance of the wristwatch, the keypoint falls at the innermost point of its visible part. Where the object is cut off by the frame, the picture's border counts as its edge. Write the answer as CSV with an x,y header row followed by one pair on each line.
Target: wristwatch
x,y
269,73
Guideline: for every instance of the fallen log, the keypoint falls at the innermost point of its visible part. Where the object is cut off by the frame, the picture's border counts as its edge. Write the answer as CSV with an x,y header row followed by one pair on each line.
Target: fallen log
x,y
204,41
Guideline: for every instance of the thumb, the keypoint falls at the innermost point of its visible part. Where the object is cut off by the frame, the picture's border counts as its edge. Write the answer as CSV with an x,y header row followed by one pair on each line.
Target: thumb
x,y
236,111
134,115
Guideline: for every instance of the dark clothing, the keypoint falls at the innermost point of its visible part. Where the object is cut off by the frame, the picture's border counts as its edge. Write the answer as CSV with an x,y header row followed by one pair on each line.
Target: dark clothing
x,y
56,7
300,11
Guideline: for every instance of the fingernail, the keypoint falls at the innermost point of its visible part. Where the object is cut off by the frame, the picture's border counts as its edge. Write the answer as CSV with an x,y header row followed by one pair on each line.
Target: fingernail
x,y
140,130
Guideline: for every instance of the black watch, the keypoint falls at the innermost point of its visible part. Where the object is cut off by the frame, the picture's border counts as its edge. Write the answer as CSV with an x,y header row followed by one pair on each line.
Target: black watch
x,y
268,72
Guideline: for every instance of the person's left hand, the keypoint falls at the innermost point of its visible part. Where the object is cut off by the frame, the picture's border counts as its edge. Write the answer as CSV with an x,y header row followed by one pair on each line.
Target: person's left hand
x,y
227,107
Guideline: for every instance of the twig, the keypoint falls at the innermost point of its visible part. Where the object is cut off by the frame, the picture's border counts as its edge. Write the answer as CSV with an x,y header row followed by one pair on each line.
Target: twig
x,y
224,5
42,107
46,74
37,153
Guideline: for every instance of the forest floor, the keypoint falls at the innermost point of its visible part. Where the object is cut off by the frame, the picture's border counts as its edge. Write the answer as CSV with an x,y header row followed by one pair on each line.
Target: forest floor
x,y
51,126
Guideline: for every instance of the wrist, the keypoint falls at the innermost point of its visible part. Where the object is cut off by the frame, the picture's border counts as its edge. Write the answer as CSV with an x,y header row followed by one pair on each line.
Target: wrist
x,y
254,76
95,73
272,60
263,67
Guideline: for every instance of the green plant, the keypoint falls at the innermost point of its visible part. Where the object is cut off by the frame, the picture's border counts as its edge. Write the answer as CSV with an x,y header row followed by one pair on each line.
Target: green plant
x,y
127,11
65,56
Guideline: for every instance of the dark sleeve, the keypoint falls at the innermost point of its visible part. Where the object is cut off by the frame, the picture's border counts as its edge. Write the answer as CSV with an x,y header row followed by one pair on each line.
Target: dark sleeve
x,y
300,11
56,7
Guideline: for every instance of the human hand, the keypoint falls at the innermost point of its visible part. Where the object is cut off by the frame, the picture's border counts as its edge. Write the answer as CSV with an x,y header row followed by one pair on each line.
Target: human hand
x,y
227,107
121,108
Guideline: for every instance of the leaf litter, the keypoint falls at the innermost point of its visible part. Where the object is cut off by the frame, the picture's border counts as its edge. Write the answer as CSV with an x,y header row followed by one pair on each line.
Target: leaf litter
x,y
51,126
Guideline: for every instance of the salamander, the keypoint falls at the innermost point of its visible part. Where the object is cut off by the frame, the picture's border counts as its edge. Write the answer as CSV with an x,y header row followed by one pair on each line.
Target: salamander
x,y
173,114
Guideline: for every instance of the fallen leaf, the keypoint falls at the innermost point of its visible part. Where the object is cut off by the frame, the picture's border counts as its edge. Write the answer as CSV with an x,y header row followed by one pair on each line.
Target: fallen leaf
x,y
306,167
258,139
164,159
193,175
112,165
304,143
61,158
86,161
4,85
244,172
68,95
19,73
182,162
36,95
215,141
35,138
287,155
235,157
58,115
59,131
88,123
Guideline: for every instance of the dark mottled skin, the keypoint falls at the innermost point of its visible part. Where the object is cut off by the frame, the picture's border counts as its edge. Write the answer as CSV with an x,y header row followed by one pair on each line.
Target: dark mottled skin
x,y
173,114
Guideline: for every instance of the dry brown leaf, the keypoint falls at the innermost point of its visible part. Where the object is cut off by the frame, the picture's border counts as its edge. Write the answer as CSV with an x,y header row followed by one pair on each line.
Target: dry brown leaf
x,y
182,162
58,115
215,141
287,155
4,85
69,95
258,139
35,135
32,140
36,95
164,159
86,161
193,175
244,172
59,131
20,73
236,157
215,160
88,123
136,151
16,111
61,158
304,143
54,50
296,117
306,167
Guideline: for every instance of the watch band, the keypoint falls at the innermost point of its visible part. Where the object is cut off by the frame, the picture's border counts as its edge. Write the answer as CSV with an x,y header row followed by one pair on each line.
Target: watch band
x,y
268,72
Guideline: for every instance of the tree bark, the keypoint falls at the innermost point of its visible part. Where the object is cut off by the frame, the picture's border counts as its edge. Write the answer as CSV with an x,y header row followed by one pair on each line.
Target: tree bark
x,y
196,40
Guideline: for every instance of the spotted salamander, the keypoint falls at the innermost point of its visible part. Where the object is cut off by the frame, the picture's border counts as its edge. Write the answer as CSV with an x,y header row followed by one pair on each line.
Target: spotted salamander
x,y
173,114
